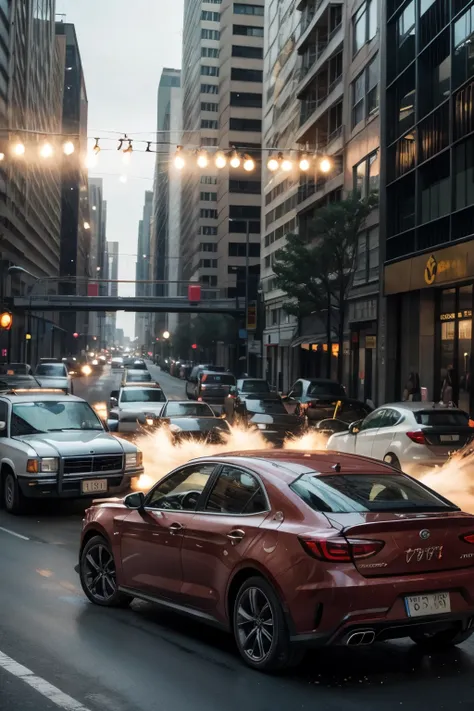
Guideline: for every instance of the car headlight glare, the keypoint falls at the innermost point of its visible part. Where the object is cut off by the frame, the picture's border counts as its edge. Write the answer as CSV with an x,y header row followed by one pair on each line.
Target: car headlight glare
x,y
86,370
261,426
49,465
133,460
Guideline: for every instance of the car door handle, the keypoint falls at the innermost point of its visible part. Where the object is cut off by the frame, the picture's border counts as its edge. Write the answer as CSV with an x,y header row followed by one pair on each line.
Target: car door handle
x,y
175,528
235,536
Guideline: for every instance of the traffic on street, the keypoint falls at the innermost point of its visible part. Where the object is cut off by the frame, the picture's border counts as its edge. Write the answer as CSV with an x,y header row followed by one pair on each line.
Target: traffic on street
x,y
59,649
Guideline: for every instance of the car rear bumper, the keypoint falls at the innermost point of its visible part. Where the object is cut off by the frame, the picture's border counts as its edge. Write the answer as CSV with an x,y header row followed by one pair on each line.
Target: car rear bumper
x,y
50,488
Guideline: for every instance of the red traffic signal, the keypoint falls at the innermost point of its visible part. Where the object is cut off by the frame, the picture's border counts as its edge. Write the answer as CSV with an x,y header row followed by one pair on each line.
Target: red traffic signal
x,y
75,335
6,321
194,346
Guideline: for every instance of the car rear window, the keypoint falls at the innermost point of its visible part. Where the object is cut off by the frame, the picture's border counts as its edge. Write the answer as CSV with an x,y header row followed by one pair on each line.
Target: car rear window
x,y
141,377
145,395
188,409
269,407
55,370
315,389
338,493
255,386
442,418
218,379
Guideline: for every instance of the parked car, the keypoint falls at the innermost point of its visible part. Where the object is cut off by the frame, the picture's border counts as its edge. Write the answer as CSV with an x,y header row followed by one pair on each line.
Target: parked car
x,y
54,446
289,550
15,369
192,382
417,435
117,363
136,376
192,420
266,413
305,394
131,401
54,375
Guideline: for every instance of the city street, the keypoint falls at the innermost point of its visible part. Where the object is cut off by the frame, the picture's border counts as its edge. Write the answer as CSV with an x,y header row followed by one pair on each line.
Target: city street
x,y
88,658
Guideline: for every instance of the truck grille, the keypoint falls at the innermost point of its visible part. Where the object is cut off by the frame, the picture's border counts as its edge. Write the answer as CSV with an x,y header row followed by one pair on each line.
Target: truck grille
x,y
96,464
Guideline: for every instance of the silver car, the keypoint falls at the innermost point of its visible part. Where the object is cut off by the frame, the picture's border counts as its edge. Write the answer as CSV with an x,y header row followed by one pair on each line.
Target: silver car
x,y
54,446
54,375
412,436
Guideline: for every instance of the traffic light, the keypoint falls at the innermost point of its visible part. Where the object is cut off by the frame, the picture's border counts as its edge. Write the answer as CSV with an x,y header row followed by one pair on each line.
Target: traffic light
x,y
75,335
194,346
6,321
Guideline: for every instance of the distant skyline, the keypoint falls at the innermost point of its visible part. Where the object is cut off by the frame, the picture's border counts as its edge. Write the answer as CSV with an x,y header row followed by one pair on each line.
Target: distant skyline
x,y
124,48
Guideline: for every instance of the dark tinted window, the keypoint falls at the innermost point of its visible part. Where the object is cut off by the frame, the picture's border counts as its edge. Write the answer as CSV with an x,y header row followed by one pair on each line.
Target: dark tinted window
x,y
138,377
365,492
269,407
242,124
247,31
142,395
55,370
242,98
239,74
323,388
188,409
139,365
252,52
255,386
218,379
236,492
442,418
340,410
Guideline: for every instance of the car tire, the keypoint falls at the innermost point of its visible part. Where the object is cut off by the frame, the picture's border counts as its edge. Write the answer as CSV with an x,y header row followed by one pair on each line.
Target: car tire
x,y
393,461
272,651
13,499
97,558
441,640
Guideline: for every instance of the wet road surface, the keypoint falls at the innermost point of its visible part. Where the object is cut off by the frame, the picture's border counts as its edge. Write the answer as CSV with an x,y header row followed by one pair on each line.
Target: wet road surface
x,y
145,659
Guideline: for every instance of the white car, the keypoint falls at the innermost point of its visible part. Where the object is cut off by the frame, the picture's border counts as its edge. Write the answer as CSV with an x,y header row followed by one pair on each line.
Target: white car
x,y
413,436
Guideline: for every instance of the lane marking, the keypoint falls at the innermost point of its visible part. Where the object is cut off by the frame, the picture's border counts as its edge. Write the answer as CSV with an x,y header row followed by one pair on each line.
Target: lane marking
x,y
40,685
13,533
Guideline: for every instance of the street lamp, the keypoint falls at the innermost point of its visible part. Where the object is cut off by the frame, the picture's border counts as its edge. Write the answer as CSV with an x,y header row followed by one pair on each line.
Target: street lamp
x,y
166,335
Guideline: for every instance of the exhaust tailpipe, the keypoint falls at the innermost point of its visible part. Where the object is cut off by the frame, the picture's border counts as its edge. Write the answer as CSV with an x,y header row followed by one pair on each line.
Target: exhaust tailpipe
x,y
361,637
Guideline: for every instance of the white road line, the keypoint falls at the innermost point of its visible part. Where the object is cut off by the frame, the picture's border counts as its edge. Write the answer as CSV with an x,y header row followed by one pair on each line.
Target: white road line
x,y
42,686
13,533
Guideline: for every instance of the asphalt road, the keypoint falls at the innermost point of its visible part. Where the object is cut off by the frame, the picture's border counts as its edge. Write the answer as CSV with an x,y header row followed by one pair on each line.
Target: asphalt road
x,y
56,645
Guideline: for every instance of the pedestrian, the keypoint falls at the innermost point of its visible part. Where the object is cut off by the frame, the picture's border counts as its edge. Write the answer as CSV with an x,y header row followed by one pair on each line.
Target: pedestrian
x,y
412,391
447,388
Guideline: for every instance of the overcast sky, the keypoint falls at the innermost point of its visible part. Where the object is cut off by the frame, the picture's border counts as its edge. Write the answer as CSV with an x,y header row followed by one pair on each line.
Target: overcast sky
x,y
124,46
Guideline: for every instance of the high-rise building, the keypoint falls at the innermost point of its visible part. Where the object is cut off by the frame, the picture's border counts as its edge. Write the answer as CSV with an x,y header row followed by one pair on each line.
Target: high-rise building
x,y
97,267
75,218
111,271
428,197
31,91
144,270
166,233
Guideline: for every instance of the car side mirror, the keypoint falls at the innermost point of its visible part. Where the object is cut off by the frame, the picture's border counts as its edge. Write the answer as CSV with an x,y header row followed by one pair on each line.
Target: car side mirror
x,y
113,425
3,426
354,428
135,501
113,402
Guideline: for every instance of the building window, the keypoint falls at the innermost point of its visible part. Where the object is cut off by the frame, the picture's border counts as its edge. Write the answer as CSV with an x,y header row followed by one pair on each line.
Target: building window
x,y
238,249
464,174
209,89
238,74
365,92
249,52
208,230
239,227
209,123
209,106
210,34
367,257
406,24
245,212
241,9
207,141
208,263
208,213
210,52
208,247
366,175
425,5
246,31
210,16
208,280
364,25
242,98
208,197
208,71
463,63
209,179
252,187
241,124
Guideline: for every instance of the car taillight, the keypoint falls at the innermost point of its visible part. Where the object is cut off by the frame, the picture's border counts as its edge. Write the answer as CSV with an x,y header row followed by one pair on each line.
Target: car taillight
x,y
417,437
467,537
340,550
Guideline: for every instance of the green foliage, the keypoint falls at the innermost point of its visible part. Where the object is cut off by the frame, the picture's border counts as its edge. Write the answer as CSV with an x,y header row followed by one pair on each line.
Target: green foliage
x,y
205,330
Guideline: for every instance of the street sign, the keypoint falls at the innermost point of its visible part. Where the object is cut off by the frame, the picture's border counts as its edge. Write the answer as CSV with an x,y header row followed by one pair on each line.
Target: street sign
x,y
252,317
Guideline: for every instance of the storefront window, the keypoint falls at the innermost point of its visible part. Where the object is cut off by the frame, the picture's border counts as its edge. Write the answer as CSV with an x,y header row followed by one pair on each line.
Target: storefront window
x,y
464,347
455,348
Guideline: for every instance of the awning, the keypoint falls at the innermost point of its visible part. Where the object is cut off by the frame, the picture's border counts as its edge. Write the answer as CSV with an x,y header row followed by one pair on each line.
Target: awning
x,y
314,338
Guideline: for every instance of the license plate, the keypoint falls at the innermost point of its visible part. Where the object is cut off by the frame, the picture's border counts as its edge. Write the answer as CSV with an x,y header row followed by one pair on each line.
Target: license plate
x,y
449,438
95,486
433,604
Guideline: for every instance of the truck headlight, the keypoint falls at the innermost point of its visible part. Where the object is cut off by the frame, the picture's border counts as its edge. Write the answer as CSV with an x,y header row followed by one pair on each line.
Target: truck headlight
x,y
261,426
49,465
133,460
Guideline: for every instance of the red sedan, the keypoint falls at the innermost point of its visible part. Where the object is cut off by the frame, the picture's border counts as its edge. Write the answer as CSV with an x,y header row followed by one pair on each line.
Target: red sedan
x,y
288,550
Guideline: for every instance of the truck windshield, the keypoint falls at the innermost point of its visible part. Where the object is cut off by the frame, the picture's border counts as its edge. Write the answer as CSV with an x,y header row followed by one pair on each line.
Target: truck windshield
x,y
52,370
52,416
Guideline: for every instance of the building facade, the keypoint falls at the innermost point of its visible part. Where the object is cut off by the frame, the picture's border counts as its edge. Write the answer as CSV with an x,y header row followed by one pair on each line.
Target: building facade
x,y
144,271
97,267
428,206
111,270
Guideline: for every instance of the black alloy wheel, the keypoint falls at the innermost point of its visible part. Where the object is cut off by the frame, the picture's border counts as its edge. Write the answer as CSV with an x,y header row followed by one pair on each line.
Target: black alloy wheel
x,y
98,574
12,497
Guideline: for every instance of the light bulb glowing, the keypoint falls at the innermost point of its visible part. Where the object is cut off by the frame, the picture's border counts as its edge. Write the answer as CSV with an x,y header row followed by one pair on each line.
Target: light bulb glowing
x,y
249,164
202,160
87,226
220,161
96,148
166,334
235,160
19,149
46,150
304,164
325,165
273,164
179,161
286,165
68,148
123,178
2,156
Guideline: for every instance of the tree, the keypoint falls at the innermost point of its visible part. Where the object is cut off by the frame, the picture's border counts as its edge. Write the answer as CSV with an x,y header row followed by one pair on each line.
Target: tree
x,y
316,270
205,330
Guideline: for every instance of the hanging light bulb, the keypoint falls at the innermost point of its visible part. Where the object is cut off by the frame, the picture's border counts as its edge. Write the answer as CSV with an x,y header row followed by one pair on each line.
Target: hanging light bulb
x,y
19,149
304,163
2,156
179,161
127,152
202,159
325,165
235,160
273,164
249,164
68,148
96,148
220,160
46,150
286,165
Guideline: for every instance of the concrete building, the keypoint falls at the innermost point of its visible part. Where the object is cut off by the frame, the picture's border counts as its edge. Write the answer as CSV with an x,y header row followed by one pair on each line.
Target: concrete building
x,y
166,233
144,271
31,95
97,267
75,217
332,57
428,206
111,270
